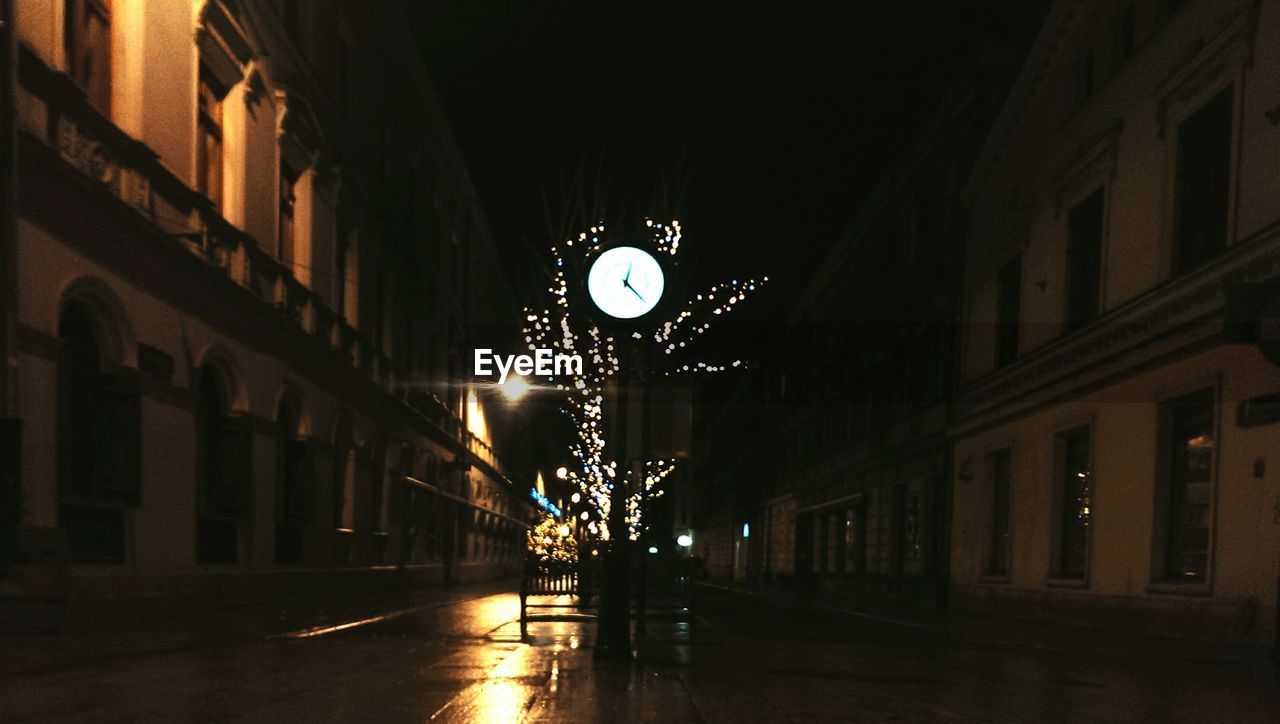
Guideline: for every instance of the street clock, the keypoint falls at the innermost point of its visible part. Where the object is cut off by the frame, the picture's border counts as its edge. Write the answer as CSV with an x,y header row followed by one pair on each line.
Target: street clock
x,y
625,282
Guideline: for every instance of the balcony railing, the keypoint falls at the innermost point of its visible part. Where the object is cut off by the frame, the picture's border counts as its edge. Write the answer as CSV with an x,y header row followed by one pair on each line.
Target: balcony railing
x,y
132,172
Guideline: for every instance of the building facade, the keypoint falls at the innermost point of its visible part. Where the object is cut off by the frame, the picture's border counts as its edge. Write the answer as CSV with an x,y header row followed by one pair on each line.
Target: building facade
x,y
250,268
1114,435
831,465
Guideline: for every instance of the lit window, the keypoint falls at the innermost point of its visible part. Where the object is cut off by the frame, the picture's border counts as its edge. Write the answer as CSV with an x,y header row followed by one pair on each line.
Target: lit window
x,y
1186,480
1075,503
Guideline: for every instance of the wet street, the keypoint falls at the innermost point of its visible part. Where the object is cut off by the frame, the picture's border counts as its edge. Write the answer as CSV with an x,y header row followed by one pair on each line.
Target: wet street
x,y
457,656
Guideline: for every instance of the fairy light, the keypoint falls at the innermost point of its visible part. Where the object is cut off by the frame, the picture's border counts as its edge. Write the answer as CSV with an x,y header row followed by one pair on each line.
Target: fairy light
x,y
565,333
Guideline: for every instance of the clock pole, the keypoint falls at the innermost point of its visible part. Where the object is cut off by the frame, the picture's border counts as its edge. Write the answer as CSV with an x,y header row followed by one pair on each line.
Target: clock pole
x,y
613,637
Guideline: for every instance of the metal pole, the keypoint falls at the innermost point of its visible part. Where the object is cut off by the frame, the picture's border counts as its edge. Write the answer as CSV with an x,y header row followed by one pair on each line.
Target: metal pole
x,y
646,401
614,627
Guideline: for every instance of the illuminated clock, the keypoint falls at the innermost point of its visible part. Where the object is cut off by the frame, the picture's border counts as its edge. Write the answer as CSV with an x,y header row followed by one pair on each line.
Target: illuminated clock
x,y
625,282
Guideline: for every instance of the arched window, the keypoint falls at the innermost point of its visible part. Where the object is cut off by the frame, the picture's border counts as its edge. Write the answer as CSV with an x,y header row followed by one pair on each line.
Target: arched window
x,y
224,469
99,442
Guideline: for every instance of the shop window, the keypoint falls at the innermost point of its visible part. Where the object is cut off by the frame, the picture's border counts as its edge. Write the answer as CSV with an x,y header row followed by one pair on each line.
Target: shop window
x,y
377,493
1185,489
1074,503
855,540
1202,184
912,527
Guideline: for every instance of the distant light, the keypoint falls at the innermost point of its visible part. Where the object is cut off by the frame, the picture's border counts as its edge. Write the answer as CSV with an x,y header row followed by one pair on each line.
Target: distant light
x,y
584,515
562,472
514,388
653,549
575,498
746,530
563,531
684,541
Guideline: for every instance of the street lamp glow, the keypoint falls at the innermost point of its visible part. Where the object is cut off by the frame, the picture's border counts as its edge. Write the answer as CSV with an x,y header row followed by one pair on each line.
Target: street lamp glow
x,y
514,388
685,540
575,498
653,549
562,472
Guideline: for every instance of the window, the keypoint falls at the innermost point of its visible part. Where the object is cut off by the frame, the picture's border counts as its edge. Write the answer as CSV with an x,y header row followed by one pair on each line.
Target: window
x,y
340,274
1186,486
380,311
86,39
1074,508
855,540
1128,32
293,501
226,472
1000,465
1084,75
209,137
288,178
1008,311
912,522
377,494
1204,164
98,439
1084,261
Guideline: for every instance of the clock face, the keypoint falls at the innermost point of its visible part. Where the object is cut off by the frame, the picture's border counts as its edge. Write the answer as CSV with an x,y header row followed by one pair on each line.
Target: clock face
x,y
625,282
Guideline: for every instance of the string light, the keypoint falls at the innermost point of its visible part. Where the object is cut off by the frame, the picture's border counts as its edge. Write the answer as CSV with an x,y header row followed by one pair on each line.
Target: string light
x,y
562,332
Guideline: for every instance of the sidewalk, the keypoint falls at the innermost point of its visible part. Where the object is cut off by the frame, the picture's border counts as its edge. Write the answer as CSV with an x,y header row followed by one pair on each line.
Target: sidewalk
x,y
81,641
1004,632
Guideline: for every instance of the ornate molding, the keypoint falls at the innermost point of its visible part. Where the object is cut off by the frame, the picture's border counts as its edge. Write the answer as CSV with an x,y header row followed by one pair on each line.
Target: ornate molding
x,y
223,43
1013,230
1093,164
1136,327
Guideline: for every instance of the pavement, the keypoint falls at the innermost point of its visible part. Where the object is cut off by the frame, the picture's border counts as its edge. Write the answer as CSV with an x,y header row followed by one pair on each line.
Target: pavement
x,y
455,655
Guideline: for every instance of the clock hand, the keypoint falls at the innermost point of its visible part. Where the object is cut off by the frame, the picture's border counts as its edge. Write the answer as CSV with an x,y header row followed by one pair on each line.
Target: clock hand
x,y
627,277
633,291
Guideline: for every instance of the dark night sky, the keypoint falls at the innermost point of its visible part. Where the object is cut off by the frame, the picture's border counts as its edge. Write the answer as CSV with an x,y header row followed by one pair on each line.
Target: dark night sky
x,y
780,116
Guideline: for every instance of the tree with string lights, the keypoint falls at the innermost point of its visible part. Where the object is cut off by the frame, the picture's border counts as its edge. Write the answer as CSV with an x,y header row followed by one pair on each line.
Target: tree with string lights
x,y
625,288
